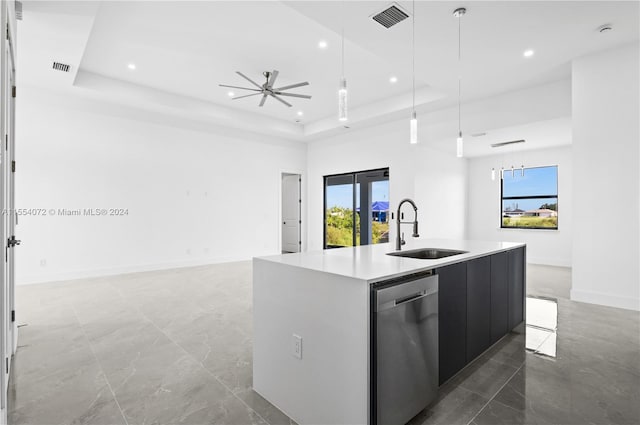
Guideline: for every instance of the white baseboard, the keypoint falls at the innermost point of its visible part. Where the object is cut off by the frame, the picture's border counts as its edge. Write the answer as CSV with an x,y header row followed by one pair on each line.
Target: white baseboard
x,y
111,271
557,262
601,298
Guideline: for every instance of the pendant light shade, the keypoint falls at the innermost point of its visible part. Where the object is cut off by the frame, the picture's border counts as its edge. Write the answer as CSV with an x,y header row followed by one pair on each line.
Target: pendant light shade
x,y
458,13
342,90
413,129
342,100
459,146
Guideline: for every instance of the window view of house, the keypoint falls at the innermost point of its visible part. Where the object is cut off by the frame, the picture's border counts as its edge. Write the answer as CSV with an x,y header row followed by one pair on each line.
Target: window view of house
x,y
530,198
356,208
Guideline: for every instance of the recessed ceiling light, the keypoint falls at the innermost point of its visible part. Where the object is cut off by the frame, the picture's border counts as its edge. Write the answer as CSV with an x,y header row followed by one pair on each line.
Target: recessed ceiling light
x,y
322,44
528,53
231,94
131,66
300,113
393,79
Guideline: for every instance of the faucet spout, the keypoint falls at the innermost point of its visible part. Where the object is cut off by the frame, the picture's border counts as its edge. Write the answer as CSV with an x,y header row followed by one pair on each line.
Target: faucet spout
x,y
400,240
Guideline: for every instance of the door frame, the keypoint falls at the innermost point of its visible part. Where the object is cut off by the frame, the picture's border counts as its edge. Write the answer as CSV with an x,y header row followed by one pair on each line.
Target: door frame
x,y
8,331
354,175
303,222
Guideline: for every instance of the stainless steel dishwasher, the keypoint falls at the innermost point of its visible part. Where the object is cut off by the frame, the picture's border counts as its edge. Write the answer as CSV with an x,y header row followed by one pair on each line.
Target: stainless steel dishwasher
x,y
404,348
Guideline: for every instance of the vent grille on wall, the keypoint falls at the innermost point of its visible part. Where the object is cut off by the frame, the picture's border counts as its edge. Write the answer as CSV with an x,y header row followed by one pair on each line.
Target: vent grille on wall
x,y
58,66
19,10
501,144
390,16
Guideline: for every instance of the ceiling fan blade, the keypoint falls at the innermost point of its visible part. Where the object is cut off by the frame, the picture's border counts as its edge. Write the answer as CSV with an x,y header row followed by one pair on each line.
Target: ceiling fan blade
x,y
249,79
286,103
237,87
303,96
272,78
292,86
264,98
246,95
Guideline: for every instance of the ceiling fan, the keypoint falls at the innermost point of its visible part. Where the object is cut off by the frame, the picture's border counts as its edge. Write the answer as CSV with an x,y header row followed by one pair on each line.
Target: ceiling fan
x,y
267,88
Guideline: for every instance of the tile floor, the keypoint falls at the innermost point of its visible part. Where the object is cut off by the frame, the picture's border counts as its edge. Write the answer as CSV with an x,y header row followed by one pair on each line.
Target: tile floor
x,y
174,347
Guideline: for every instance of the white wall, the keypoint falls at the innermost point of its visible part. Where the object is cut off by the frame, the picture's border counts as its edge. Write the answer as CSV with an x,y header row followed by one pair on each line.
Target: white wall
x,y
606,135
193,197
435,180
552,247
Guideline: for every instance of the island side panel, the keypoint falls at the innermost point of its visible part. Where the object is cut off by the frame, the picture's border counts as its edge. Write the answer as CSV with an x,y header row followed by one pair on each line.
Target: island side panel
x,y
330,383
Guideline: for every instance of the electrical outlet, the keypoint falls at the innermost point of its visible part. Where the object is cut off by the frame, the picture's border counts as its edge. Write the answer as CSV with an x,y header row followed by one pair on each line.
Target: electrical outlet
x,y
43,262
296,348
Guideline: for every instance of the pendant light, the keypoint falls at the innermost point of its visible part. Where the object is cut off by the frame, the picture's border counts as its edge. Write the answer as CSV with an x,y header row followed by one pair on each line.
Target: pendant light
x,y
413,124
459,141
342,91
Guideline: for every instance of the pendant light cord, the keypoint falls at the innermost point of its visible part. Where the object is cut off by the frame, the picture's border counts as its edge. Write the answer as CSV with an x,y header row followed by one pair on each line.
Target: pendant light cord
x,y
413,52
342,7
459,74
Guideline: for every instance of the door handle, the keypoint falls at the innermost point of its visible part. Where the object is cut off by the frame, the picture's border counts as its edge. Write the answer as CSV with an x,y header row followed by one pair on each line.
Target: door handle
x,y
12,241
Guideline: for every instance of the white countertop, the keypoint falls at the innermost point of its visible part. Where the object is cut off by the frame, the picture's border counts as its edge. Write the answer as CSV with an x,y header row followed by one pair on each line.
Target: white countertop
x,y
370,262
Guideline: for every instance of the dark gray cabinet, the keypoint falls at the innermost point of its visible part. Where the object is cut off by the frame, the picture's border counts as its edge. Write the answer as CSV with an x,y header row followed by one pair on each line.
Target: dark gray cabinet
x,y
479,302
478,306
516,288
452,320
499,295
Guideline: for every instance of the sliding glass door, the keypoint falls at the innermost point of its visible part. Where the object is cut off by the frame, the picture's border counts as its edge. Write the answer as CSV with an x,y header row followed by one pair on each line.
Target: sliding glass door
x,y
356,208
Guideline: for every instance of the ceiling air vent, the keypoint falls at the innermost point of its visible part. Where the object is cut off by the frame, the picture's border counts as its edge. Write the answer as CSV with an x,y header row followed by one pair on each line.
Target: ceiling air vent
x,y
59,66
501,144
390,16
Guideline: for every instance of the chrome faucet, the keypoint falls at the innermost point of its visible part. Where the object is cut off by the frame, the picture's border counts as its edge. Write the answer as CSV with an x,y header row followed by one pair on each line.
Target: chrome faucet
x,y
400,240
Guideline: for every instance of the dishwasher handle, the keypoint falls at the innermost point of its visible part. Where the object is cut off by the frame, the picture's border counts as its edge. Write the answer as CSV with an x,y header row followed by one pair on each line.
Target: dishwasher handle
x,y
410,298
405,292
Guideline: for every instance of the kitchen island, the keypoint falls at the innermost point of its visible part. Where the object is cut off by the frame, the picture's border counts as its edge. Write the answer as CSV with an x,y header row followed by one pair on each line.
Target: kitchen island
x,y
312,319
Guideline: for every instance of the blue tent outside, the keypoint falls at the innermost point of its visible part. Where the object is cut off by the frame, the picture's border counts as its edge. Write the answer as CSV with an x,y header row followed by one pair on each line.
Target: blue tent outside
x,y
379,210
379,206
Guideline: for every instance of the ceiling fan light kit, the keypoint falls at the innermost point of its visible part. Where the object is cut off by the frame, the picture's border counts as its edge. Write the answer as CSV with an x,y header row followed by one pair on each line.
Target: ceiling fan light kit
x,y
267,89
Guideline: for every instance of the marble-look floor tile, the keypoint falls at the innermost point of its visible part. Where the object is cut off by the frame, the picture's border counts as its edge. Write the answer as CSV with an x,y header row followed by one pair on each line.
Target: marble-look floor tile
x,y
180,393
510,350
484,377
268,411
454,406
77,394
175,346
496,413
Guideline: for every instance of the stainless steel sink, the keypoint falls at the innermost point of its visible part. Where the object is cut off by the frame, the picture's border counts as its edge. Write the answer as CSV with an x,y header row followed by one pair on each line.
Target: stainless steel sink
x,y
427,253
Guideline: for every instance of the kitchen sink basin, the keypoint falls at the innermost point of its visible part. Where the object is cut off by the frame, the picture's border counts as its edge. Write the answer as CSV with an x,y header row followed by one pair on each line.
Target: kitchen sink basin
x,y
427,253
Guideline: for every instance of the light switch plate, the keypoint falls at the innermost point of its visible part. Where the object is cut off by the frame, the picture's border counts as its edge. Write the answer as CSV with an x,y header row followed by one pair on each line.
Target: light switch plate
x,y
296,346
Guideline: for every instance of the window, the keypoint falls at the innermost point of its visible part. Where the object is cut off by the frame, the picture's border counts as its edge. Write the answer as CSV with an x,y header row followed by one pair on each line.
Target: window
x,y
530,200
356,208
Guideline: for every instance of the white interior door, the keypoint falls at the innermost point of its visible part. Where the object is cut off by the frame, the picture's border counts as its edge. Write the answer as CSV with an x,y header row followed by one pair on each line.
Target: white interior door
x,y
291,204
5,292
12,217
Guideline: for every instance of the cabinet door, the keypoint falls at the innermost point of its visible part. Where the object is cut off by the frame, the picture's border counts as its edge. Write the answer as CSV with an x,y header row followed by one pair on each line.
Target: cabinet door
x,y
499,296
452,320
478,306
516,286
